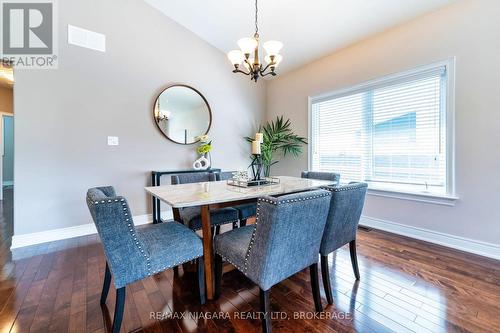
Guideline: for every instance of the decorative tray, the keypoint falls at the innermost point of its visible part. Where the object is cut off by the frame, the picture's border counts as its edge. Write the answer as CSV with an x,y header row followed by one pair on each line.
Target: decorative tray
x,y
252,183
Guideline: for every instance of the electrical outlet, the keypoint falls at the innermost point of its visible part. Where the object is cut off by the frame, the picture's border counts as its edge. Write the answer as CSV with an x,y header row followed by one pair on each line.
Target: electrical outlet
x,y
113,141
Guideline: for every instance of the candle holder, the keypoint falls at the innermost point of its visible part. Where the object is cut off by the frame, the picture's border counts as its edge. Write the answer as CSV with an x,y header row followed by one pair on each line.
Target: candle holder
x,y
256,167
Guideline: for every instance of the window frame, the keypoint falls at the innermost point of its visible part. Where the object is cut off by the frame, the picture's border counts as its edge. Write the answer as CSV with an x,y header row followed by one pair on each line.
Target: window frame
x,y
449,113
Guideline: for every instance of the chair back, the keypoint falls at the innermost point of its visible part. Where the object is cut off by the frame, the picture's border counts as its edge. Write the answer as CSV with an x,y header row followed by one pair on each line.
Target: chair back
x,y
287,235
321,175
113,220
343,218
223,175
191,177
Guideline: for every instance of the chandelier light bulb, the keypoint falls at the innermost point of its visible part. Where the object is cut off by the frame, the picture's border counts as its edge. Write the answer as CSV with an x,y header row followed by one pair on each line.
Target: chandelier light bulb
x,y
277,59
273,47
236,57
248,45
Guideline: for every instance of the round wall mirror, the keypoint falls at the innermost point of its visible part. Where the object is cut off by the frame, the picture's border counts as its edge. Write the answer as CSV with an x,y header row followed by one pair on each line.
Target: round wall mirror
x,y
182,114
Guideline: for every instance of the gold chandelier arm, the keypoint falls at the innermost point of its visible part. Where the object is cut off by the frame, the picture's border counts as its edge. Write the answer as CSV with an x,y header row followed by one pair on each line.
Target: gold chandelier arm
x,y
272,72
265,68
249,65
236,70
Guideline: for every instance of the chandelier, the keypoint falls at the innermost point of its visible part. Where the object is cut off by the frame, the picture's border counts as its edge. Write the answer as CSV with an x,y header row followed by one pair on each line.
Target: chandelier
x,y
243,61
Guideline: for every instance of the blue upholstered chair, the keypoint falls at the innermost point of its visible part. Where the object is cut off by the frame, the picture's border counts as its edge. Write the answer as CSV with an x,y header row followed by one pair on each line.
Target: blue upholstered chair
x,y
343,218
191,216
284,240
245,211
322,176
135,253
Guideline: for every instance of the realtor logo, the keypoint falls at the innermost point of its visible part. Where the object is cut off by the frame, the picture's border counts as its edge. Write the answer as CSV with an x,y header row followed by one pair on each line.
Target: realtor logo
x,y
28,33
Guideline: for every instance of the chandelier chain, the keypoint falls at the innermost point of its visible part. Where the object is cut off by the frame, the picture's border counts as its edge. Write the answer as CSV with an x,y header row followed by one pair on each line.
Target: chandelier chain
x,y
244,64
256,13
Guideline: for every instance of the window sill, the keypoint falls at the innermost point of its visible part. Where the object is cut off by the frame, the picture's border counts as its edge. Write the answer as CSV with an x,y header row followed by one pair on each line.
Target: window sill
x,y
438,199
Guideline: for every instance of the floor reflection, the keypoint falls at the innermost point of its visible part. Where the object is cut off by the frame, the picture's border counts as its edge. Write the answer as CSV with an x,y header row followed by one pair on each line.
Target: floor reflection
x,y
395,299
6,231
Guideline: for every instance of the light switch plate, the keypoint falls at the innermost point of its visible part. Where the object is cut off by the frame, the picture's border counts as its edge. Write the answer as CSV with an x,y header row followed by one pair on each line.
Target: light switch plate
x,y
113,141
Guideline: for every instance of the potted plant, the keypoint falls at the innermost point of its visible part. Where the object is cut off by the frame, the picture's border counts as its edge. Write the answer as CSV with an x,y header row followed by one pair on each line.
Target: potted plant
x,y
205,160
279,138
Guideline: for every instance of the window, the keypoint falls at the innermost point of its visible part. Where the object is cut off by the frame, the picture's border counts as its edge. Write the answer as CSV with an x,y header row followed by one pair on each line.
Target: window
x,y
393,133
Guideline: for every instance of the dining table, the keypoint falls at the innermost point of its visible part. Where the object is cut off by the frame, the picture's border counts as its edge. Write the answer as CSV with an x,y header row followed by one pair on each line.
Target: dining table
x,y
219,194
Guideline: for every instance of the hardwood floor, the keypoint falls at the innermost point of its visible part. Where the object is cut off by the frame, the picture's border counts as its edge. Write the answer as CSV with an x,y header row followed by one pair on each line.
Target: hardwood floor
x,y
406,286
6,231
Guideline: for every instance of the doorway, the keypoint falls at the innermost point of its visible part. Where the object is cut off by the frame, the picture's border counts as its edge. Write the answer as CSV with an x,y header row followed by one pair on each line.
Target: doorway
x,y
6,169
6,127
8,151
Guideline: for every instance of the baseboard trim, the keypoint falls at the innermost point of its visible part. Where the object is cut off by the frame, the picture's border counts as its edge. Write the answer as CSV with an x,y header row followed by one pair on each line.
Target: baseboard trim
x,y
41,237
455,242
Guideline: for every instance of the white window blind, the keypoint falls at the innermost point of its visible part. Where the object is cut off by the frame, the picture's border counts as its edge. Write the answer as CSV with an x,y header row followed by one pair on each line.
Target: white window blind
x,y
391,133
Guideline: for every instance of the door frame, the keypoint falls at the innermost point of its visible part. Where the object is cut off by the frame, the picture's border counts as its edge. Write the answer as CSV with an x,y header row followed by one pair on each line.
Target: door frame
x,y
2,147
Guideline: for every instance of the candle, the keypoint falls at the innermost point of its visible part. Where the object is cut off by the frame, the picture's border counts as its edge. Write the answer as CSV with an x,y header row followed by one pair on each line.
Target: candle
x,y
255,147
259,137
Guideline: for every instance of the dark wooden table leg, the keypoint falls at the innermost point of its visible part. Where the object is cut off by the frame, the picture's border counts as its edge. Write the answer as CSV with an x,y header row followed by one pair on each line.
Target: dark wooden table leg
x,y
207,250
158,202
153,183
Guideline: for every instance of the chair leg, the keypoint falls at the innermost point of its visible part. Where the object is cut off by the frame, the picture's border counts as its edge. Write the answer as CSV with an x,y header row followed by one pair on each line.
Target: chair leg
x,y
218,275
105,286
354,259
215,230
325,272
243,223
264,309
120,305
313,269
235,225
201,280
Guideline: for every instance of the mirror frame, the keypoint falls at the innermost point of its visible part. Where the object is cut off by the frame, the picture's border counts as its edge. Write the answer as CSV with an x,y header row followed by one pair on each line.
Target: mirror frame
x,y
196,91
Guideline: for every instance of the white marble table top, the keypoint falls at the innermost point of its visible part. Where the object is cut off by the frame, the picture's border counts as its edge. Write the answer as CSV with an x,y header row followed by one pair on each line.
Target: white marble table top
x,y
198,194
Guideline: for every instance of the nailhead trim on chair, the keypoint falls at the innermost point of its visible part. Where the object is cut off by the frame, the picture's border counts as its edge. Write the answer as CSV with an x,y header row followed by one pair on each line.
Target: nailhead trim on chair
x,y
344,188
131,230
175,264
232,263
275,202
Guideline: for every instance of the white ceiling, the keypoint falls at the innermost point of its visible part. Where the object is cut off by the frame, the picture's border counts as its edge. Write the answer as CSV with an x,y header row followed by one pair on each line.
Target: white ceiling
x,y
309,29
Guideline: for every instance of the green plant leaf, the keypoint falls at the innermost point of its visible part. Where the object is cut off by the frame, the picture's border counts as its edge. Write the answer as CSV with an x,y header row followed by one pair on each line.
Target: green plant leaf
x,y
279,138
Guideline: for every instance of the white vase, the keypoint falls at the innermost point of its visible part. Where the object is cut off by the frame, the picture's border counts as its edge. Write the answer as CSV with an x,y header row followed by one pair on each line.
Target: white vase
x,y
201,163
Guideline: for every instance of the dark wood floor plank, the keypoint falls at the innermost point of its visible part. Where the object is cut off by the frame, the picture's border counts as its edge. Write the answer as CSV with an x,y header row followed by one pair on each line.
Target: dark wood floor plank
x,y
142,301
406,286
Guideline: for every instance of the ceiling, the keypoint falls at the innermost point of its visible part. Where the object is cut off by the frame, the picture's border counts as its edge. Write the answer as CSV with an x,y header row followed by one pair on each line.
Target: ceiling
x,y
309,29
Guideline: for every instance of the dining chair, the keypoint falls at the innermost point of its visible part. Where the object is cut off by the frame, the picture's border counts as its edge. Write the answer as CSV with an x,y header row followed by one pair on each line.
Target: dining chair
x,y
245,211
134,253
284,240
343,218
191,216
322,176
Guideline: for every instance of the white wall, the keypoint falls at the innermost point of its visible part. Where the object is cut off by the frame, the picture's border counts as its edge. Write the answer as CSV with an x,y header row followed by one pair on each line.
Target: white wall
x,y
468,30
63,116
